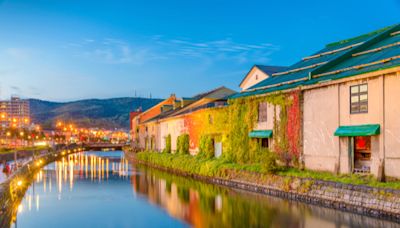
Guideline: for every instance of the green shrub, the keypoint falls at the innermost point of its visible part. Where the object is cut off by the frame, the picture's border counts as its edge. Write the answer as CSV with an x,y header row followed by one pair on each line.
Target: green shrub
x,y
146,143
218,168
206,147
152,142
268,160
167,148
182,144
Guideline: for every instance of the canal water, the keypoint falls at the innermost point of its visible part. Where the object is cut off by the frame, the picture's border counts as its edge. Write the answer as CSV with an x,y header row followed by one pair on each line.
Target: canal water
x,y
102,189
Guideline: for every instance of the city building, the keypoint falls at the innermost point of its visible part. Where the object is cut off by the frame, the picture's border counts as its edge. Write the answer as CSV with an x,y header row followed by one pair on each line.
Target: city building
x,y
15,113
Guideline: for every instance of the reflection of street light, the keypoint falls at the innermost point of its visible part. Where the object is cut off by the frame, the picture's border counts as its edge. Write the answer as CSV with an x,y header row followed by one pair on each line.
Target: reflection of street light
x,y
20,208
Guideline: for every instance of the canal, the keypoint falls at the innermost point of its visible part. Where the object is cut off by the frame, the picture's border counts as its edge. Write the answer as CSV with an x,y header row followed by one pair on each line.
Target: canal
x,y
102,189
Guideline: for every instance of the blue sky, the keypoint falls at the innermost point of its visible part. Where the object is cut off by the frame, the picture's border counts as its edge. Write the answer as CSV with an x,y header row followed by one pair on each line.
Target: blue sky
x,y
68,50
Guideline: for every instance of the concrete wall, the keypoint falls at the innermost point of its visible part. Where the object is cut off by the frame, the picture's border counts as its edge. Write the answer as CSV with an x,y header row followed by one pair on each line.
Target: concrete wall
x,y
320,120
392,125
374,115
141,136
327,108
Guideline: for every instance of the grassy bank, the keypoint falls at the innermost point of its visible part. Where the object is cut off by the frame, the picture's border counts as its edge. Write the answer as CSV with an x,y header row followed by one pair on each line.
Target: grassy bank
x,y
224,169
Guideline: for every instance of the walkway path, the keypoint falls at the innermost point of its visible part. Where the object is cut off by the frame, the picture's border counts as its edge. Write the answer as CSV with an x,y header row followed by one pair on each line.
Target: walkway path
x,y
21,161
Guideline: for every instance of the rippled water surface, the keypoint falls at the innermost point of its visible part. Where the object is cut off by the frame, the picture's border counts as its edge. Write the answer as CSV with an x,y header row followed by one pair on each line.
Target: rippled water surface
x,y
102,189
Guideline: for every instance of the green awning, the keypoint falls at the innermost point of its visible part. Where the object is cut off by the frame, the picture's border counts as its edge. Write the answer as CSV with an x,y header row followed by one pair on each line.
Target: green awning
x,y
358,130
261,134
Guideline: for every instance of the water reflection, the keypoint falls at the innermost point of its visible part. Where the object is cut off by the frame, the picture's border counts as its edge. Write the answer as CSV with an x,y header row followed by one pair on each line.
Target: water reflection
x,y
83,166
102,189
205,205
90,189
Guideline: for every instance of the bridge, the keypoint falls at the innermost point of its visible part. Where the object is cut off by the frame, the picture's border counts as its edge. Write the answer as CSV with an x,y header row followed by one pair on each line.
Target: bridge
x,y
103,146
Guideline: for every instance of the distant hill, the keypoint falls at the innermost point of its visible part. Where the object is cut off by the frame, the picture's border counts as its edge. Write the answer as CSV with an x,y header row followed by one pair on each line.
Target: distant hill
x,y
106,113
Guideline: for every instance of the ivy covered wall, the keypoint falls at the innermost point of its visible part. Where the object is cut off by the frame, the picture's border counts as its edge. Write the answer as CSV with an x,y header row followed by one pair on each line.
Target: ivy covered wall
x,y
231,126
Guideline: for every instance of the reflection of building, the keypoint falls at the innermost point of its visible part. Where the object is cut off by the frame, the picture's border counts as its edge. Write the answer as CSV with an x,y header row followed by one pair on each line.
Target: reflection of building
x,y
15,113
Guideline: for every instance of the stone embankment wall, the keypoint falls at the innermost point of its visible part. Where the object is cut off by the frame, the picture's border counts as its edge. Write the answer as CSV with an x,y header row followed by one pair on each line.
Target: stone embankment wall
x,y
370,201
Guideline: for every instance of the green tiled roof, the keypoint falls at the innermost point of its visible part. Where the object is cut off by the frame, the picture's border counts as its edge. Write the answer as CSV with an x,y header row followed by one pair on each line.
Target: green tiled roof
x,y
373,51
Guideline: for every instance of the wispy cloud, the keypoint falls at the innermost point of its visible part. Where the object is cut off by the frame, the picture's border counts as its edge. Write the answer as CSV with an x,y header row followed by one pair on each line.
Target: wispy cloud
x,y
113,51
217,50
155,48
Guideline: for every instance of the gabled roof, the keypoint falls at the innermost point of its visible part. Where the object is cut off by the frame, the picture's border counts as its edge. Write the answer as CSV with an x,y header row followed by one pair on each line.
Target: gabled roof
x,y
370,52
163,115
221,93
205,94
202,100
268,70
271,69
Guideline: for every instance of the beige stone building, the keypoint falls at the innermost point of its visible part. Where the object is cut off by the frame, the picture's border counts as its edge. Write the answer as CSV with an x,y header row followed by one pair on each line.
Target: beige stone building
x,y
350,104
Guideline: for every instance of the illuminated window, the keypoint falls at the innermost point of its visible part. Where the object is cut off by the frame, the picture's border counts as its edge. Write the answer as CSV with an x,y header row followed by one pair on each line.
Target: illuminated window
x,y
359,99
